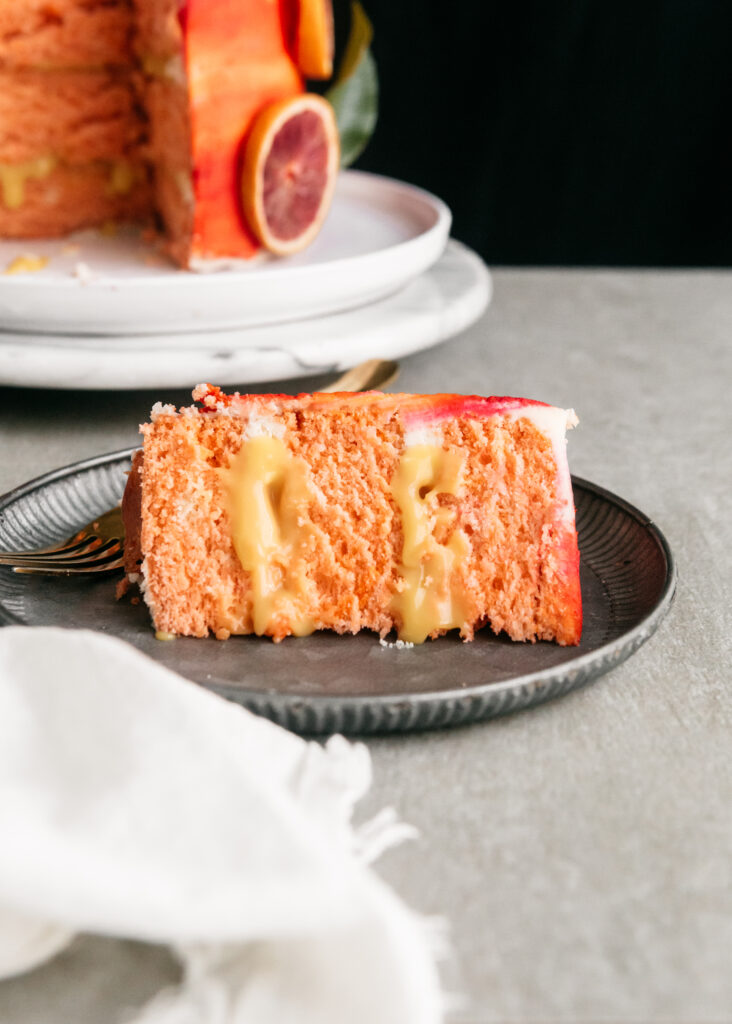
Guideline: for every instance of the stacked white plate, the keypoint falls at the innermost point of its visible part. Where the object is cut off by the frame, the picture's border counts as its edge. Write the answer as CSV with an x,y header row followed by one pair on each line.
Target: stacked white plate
x,y
382,279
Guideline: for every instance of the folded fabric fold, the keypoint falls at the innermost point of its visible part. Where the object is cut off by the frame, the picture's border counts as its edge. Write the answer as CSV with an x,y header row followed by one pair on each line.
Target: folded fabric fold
x,y
134,803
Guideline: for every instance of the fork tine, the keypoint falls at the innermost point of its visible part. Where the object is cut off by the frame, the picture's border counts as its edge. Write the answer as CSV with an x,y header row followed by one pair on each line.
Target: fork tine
x,y
99,557
87,569
87,551
80,540
101,554
106,558
76,547
79,544
94,550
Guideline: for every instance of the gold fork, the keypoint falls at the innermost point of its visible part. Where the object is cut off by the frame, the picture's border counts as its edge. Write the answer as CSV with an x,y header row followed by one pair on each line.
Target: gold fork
x,y
98,547
95,549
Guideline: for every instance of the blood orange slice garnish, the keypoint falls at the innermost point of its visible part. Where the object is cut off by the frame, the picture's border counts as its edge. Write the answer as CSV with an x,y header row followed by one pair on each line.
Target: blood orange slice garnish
x,y
314,40
289,172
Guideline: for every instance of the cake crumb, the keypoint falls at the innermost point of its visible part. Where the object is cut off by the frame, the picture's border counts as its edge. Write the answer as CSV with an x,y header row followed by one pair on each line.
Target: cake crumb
x,y
26,264
162,635
222,634
399,644
159,409
83,272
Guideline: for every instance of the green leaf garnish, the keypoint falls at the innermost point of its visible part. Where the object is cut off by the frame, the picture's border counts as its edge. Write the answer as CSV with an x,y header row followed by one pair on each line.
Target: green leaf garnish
x,y
355,94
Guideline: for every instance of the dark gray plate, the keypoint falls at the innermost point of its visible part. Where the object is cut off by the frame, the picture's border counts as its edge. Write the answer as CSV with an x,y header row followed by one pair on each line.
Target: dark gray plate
x,y
326,683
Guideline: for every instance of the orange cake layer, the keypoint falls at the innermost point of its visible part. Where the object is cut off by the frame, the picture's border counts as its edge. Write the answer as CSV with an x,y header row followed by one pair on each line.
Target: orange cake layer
x,y
65,33
210,69
72,152
160,26
74,116
49,200
280,515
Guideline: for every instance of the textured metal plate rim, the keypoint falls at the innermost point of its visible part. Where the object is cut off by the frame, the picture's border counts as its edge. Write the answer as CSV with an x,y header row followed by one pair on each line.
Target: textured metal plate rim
x,y
318,714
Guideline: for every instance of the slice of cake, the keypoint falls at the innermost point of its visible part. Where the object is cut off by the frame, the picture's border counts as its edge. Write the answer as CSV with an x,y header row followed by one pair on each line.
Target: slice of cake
x,y
280,515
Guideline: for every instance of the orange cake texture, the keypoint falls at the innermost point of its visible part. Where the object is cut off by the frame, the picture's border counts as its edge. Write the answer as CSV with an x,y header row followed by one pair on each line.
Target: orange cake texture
x,y
52,34
91,116
72,133
67,198
281,515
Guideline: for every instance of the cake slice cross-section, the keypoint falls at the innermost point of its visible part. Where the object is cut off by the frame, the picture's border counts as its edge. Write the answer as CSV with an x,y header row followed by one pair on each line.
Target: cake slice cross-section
x,y
420,514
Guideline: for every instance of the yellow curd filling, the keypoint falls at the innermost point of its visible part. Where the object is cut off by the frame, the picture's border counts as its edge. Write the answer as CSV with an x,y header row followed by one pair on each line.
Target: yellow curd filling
x,y
171,68
13,178
269,495
431,598
122,177
26,264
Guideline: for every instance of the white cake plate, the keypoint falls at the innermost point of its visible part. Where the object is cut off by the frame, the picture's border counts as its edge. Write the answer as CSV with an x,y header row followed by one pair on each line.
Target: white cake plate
x,y
440,303
379,235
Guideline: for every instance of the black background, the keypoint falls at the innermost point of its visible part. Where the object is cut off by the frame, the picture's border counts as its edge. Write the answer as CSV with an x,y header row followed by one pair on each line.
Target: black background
x,y
584,133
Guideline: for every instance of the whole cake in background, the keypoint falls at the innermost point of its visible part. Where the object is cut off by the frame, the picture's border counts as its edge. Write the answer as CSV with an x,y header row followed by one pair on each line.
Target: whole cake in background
x,y
280,515
139,110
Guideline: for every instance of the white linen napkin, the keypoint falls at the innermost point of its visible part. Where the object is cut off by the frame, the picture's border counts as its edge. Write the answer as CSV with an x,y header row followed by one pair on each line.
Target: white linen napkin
x,y
136,804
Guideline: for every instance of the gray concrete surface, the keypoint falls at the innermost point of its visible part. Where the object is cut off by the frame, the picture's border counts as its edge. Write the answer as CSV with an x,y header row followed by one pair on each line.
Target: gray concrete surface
x,y
581,851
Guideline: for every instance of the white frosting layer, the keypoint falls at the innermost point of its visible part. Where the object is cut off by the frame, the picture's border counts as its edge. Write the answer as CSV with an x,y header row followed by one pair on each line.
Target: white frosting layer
x,y
547,418
431,433
260,425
